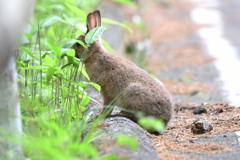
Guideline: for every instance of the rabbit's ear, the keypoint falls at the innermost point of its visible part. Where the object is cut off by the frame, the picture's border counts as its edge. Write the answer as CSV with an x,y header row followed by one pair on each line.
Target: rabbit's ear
x,y
98,17
91,22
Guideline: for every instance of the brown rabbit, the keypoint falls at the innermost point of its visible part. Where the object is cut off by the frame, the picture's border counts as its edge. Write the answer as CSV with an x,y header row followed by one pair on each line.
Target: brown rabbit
x,y
136,90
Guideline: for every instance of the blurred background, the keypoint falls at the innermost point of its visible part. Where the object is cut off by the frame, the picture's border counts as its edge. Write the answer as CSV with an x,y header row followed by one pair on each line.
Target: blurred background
x,y
192,46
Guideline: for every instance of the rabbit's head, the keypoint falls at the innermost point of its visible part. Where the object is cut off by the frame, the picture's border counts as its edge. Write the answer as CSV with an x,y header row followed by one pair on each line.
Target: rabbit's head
x,y
93,21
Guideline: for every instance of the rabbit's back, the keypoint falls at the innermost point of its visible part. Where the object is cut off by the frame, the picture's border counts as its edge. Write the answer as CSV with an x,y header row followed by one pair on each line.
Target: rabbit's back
x,y
136,89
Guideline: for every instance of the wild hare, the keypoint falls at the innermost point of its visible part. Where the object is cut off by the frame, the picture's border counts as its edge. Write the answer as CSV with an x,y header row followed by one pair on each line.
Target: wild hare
x,y
136,90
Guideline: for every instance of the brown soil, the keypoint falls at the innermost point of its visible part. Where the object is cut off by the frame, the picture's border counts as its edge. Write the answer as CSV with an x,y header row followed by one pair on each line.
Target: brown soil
x,y
167,26
179,87
179,138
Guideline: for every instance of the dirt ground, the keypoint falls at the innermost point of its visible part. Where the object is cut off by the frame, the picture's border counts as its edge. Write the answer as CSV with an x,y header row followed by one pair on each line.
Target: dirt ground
x,y
179,140
178,59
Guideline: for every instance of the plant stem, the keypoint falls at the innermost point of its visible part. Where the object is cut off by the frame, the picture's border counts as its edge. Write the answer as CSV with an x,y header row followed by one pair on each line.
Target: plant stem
x,y
39,44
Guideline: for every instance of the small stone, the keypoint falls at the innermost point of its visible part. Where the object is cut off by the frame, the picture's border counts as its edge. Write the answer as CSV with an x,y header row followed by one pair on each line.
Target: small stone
x,y
201,126
157,145
194,93
199,110
215,147
224,135
191,141
219,110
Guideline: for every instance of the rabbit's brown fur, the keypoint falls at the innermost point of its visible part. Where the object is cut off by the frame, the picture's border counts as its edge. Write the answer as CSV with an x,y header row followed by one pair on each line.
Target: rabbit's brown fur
x,y
137,90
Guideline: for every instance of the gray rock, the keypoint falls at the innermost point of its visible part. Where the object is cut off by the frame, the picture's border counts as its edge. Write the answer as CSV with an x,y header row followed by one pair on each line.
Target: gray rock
x,y
115,126
199,110
201,126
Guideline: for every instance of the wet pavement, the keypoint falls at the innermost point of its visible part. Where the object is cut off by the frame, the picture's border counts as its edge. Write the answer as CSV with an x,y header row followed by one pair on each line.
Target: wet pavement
x,y
220,25
230,10
227,139
222,37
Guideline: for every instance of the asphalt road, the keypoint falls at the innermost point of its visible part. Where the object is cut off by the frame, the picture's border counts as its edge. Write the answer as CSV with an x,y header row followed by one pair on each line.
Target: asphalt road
x,y
230,14
230,10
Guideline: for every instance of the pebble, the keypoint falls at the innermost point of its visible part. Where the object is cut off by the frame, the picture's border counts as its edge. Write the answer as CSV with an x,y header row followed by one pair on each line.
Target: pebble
x,y
191,141
201,126
199,110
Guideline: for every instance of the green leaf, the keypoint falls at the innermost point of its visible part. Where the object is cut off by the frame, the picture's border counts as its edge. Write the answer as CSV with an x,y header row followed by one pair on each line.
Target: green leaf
x,y
28,36
36,67
95,85
49,21
30,53
127,2
109,21
82,85
84,101
66,65
33,26
71,53
71,42
75,63
153,75
94,34
76,10
54,47
186,79
71,56
152,124
130,142
50,72
49,61
87,150
70,60
111,157
44,55
83,71
56,61
81,43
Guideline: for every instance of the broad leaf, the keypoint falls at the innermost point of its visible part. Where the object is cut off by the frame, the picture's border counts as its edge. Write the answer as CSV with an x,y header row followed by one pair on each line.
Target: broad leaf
x,y
71,53
152,124
109,21
56,61
49,21
95,85
33,25
48,60
28,36
50,73
84,101
66,65
30,53
127,2
130,142
76,10
94,34
81,43
36,67
83,71
54,47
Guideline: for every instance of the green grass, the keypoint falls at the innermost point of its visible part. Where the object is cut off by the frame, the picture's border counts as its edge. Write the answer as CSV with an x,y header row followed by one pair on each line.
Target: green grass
x,y
52,83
